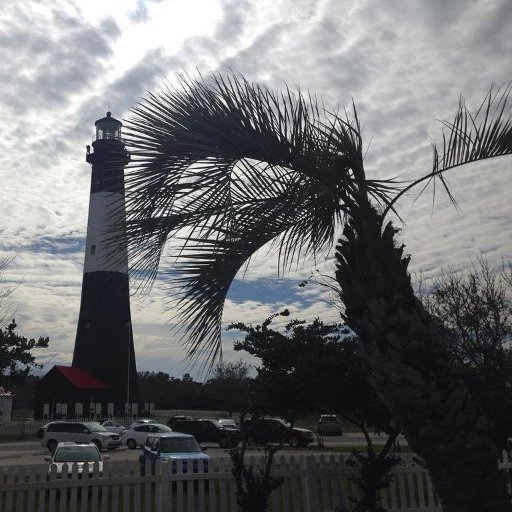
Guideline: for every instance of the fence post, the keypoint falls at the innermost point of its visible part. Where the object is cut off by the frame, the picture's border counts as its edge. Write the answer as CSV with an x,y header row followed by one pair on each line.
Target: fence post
x,y
310,485
160,483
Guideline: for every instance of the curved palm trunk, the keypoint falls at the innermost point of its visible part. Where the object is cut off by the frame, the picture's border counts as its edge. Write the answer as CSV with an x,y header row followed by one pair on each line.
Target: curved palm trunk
x,y
410,368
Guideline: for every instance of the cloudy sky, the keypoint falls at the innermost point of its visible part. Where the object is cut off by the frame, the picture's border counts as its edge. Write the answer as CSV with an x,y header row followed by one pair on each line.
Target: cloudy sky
x,y
404,62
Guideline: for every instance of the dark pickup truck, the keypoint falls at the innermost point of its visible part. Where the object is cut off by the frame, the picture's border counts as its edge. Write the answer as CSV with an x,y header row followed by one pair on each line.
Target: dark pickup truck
x,y
206,431
264,431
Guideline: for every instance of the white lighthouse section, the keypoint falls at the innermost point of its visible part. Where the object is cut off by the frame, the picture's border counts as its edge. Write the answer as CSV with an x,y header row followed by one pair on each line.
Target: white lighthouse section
x,y
106,210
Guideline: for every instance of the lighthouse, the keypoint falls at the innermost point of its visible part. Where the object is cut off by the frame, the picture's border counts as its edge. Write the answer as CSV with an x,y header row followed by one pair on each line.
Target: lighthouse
x,y
104,336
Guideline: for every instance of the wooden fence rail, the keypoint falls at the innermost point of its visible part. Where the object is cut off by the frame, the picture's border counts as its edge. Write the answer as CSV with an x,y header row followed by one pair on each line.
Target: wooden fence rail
x,y
311,484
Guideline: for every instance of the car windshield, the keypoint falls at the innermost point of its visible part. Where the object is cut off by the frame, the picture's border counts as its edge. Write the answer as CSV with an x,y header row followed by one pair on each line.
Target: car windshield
x,y
163,428
95,427
216,423
284,423
179,445
77,454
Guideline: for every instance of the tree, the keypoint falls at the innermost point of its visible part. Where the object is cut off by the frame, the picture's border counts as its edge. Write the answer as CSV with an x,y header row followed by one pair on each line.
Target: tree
x,y
312,368
237,370
473,307
228,388
231,166
16,358
168,392
7,307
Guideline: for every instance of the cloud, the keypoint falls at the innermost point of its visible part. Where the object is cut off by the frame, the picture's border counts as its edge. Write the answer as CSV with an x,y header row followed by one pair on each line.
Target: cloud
x,y
58,57
63,64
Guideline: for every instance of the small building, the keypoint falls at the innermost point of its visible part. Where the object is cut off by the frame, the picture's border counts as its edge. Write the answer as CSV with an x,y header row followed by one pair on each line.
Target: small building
x,y
5,406
71,392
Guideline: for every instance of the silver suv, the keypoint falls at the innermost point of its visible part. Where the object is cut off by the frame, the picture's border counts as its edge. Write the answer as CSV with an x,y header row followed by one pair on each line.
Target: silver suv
x,y
79,432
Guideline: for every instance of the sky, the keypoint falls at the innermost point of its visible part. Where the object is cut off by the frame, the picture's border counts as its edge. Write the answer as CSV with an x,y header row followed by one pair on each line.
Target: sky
x,y
403,62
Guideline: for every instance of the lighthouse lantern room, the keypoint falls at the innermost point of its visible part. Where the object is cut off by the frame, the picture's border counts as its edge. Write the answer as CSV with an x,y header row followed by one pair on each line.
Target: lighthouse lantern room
x,y
108,128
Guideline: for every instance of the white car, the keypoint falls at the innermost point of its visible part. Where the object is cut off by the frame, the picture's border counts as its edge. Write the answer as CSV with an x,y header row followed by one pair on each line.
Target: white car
x,y
143,421
113,426
75,454
79,432
136,436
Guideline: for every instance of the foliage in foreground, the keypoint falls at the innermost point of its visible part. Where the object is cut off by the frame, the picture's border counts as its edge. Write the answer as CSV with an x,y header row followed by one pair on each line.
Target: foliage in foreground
x,y
253,486
222,167
374,475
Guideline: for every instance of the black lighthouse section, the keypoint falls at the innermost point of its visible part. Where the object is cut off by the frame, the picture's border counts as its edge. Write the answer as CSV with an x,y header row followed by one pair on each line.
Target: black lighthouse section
x,y
104,338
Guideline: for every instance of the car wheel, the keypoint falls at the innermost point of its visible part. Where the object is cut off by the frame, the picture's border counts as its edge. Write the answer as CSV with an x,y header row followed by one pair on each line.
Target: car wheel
x,y
293,442
97,443
131,444
52,444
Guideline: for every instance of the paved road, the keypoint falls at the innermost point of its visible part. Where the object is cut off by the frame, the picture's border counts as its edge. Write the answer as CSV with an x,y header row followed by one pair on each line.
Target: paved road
x,y
31,452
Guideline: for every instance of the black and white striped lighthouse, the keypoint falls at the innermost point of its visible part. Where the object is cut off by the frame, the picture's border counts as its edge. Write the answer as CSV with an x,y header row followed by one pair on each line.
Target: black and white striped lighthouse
x,y
104,338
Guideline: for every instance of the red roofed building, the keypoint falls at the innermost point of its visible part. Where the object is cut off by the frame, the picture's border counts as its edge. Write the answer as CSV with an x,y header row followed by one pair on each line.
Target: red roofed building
x,y
80,378
69,385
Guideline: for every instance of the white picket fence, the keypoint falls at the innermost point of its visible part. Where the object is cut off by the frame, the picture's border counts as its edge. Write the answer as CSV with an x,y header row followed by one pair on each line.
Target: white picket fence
x,y
311,484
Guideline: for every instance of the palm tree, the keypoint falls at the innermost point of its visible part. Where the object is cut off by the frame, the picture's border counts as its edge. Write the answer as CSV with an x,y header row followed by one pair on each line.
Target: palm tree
x,y
221,167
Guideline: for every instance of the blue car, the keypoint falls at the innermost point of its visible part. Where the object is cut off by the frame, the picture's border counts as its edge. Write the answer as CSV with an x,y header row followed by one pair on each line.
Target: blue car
x,y
173,447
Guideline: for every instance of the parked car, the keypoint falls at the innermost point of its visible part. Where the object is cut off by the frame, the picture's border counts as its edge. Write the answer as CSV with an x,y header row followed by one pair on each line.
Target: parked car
x,y
228,423
79,432
142,421
75,453
262,431
329,424
173,447
113,426
207,431
136,436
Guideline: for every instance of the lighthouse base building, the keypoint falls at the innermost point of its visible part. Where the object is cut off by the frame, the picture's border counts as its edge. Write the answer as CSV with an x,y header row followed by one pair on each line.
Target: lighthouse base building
x,y
103,376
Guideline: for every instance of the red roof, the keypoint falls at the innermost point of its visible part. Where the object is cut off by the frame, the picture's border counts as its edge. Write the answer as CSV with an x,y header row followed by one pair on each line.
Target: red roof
x,y
81,378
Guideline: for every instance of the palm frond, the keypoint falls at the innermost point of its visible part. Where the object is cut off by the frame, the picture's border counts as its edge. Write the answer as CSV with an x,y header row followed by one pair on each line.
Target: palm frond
x,y
223,167
470,138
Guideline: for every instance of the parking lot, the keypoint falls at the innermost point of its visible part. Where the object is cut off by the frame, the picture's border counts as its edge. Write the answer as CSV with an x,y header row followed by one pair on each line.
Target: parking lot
x,y
31,452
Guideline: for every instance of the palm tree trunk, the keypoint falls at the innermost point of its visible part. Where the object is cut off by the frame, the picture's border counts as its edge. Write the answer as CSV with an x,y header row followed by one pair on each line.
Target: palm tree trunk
x,y
409,366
